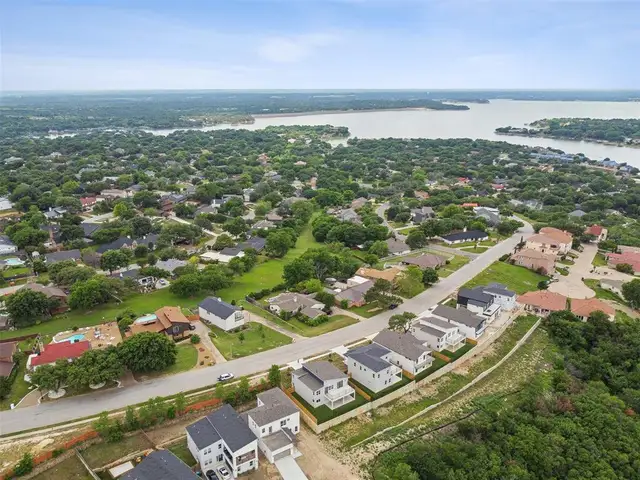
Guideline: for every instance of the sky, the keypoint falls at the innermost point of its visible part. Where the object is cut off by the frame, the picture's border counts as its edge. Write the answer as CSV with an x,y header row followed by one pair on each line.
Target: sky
x,y
318,44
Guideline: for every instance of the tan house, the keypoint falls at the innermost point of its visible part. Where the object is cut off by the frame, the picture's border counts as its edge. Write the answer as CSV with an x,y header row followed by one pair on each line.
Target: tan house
x,y
550,243
543,302
583,308
535,260
168,320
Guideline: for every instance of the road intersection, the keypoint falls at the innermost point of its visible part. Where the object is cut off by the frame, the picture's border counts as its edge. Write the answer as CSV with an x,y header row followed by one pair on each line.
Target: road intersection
x,y
72,408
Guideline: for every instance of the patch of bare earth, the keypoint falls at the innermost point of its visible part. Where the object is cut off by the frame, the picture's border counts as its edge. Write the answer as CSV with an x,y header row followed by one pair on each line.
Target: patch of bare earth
x,y
319,460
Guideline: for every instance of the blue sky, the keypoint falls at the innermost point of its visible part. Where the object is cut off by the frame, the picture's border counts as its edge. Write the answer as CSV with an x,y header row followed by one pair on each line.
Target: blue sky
x,y
314,44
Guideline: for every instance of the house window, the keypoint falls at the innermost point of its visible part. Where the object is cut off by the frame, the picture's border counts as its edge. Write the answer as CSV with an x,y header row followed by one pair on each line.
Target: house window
x,y
373,375
219,458
295,429
219,446
251,463
283,423
263,430
340,383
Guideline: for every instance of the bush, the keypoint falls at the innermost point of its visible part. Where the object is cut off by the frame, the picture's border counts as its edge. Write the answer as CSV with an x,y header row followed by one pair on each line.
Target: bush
x,y
313,322
195,338
504,257
625,268
24,466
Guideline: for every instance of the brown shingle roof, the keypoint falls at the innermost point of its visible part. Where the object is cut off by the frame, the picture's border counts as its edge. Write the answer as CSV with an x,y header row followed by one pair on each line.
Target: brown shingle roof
x,y
544,299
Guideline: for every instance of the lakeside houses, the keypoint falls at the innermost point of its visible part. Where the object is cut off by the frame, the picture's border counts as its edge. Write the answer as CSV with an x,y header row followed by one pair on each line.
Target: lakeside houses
x,y
221,314
535,260
465,236
438,334
320,383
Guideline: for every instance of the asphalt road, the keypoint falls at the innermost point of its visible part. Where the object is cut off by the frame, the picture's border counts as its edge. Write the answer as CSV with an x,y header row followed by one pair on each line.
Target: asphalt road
x,y
68,409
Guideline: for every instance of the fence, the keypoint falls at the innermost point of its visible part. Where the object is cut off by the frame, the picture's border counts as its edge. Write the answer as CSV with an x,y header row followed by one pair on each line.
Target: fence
x,y
441,356
307,416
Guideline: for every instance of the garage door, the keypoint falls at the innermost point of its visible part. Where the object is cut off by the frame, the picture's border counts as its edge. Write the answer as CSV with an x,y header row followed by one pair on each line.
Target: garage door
x,y
289,469
280,455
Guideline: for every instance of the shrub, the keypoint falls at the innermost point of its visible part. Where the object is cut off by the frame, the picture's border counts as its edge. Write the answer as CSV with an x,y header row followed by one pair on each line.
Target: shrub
x,y
195,338
24,466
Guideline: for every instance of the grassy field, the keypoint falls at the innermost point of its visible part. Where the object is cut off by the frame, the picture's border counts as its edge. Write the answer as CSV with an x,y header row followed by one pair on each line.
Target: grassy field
x,y
231,347
187,359
457,262
599,260
518,279
15,271
458,353
475,249
103,453
19,388
484,243
594,285
335,322
265,275
69,469
363,311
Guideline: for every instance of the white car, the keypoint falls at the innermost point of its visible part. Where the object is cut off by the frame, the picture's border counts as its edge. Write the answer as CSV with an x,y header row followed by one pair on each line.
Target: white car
x,y
224,473
225,376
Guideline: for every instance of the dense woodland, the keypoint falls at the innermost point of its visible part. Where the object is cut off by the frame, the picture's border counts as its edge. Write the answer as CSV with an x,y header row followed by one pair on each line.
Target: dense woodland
x,y
577,421
615,130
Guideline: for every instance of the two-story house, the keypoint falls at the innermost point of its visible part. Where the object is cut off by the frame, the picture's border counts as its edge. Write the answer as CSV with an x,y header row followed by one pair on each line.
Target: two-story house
x,y
370,365
551,240
407,351
222,438
477,301
438,334
160,465
471,325
276,422
221,314
320,383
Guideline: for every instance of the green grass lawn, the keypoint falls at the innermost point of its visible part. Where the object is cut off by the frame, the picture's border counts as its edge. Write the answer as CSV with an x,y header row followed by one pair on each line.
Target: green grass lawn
x,y
567,261
324,413
363,311
19,387
103,453
594,285
518,279
15,271
403,381
180,450
475,249
484,243
187,359
457,262
231,347
69,469
562,271
458,353
599,260
623,317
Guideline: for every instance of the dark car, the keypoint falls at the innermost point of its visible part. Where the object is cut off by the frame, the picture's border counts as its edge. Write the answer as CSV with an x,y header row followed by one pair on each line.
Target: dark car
x,y
211,475
192,326
393,306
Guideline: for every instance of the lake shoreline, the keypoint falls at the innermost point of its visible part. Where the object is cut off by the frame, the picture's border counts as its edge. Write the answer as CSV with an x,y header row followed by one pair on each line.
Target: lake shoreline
x,y
555,137
337,112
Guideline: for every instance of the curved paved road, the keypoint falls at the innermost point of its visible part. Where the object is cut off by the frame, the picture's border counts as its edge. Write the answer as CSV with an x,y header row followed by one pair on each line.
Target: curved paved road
x,y
68,409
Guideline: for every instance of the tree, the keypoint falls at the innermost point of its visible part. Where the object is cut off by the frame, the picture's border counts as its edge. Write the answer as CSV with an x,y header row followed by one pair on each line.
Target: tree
x,y
299,270
328,299
95,367
279,242
187,285
50,377
509,227
71,232
114,259
29,236
429,276
223,241
262,208
401,322
195,338
71,274
274,376
235,226
302,211
123,210
625,268
381,293
185,210
140,226
24,466
95,291
241,337
26,306
145,199
409,283
148,352
379,248
416,239
631,293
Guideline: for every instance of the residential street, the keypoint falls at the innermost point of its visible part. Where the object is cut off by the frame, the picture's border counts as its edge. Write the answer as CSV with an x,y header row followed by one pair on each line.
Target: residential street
x,y
72,408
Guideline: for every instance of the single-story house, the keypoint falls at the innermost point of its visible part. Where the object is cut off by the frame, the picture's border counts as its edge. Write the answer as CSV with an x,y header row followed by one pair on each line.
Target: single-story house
x,y
257,243
168,320
426,260
599,232
292,303
53,352
220,313
543,302
582,308
465,236
55,257
397,247
389,274
354,295
223,256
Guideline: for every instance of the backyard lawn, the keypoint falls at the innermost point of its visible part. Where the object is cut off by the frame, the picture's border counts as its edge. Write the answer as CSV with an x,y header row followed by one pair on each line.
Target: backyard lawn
x,y
458,353
368,310
69,469
457,262
599,260
518,279
104,453
437,364
15,271
19,387
594,285
180,450
257,338
324,413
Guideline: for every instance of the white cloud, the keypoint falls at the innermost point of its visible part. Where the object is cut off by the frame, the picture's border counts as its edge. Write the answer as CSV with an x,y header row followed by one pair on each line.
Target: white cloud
x,y
295,48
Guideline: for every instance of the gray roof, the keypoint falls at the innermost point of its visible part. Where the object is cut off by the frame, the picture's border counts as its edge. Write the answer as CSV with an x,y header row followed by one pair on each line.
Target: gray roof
x,y
309,380
224,424
278,439
230,251
396,246
403,344
256,243
90,228
290,301
355,293
276,406
171,264
323,370
160,465
64,255
5,240
438,323
499,289
578,213
218,307
370,356
431,331
459,315
475,294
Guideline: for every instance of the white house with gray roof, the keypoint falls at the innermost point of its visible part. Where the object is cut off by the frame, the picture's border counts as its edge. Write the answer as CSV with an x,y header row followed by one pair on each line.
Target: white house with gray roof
x,y
160,465
370,365
471,325
438,334
222,438
276,422
407,352
320,383
292,302
221,314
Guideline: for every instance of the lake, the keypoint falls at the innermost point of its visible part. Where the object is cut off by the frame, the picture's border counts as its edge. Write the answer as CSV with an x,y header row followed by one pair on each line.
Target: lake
x,y
478,122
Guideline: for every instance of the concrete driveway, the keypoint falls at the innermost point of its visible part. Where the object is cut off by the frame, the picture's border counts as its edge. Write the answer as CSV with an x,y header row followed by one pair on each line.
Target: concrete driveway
x,y
289,469
572,284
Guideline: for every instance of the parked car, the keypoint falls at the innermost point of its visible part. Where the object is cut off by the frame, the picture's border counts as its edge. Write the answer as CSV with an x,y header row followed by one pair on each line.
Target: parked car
x,y
224,473
192,326
393,306
211,475
225,376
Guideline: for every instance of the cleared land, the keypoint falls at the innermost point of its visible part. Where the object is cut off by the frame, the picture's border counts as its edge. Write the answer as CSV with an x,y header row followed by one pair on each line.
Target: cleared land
x,y
518,279
256,338
69,469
